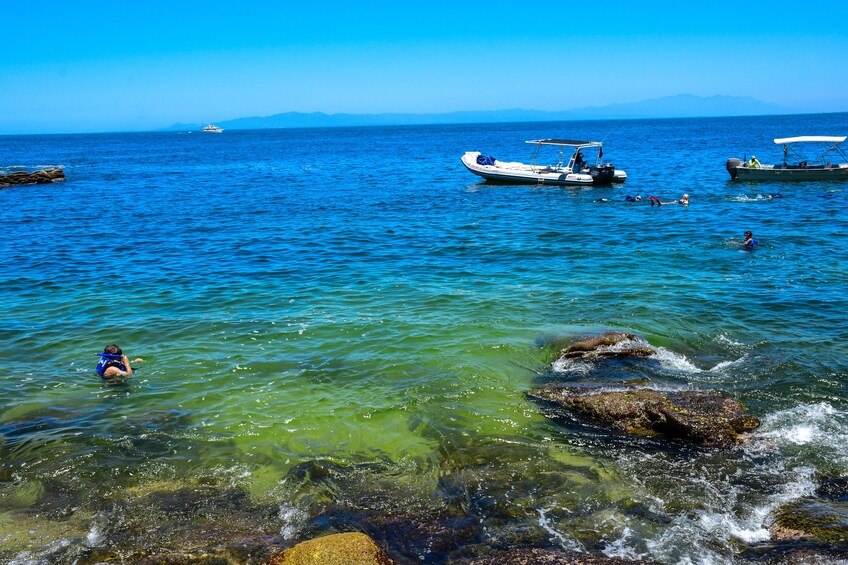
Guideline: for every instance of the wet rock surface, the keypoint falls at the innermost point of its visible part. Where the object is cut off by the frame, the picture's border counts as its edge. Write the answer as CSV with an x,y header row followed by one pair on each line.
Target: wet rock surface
x,y
819,521
539,556
43,176
706,418
350,548
608,345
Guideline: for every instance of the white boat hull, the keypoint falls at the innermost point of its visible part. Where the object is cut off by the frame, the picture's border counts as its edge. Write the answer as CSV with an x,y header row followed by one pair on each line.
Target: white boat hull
x,y
779,173
521,173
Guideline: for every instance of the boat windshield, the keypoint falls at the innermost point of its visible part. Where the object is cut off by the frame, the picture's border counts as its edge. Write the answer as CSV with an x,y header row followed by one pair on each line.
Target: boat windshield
x,y
573,160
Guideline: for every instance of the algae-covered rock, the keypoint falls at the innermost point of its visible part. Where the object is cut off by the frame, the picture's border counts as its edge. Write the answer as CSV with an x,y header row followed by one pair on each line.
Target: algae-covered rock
x,y
350,548
608,345
820,520
706,418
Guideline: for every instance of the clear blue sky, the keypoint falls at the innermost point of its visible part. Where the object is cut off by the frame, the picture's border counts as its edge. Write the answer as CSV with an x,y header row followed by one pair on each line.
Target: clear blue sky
x,y
69,66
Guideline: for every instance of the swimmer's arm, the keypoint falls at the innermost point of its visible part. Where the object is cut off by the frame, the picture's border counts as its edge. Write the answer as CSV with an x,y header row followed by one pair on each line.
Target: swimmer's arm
x,y
126,361
112,372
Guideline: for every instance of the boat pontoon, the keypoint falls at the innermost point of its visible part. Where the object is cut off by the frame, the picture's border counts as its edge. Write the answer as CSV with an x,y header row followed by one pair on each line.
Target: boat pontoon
x,y
820,168
573,171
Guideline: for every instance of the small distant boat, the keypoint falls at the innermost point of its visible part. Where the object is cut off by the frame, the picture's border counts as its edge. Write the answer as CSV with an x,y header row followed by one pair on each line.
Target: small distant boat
x,y
212,129
820,168
568,168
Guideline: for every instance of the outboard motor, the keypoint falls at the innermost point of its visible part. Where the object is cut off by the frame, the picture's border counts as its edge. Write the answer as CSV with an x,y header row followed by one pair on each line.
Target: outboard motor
x,y
602,174
731,166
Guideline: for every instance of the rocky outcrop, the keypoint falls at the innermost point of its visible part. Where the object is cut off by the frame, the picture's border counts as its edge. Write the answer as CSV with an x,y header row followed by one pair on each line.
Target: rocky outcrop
x,y
350,548
705,418
36,177
608,345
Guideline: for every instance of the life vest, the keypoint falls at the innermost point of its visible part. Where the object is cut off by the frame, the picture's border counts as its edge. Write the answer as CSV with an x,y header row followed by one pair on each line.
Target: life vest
x,y
107,361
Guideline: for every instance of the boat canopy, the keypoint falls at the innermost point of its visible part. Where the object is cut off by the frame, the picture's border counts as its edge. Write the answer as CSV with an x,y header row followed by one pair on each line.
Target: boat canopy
x,y
568,142
809,138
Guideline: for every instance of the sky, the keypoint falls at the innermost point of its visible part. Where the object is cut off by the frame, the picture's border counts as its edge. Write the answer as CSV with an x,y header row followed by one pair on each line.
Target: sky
x,y
91,66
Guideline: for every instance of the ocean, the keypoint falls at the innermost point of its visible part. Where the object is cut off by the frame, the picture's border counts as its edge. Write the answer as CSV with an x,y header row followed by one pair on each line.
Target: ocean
x,y
340,327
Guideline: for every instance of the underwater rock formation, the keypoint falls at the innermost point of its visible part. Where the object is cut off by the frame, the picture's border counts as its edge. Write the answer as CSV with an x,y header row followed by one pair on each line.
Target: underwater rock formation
x,y
36,177
706,418
350,548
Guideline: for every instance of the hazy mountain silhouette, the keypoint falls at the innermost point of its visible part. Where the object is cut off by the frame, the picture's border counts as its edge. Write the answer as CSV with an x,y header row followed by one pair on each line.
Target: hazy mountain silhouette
x,y
679,106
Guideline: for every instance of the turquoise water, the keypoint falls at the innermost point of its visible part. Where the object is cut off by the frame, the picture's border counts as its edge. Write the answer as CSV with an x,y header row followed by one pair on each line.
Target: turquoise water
x,y
356,298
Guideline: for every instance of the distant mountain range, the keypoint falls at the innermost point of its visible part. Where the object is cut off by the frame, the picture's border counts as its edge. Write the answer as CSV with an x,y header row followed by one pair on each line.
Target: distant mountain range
x,y
679,106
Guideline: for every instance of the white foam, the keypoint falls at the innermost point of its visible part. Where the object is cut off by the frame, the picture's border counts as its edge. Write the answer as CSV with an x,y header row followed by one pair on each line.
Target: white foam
x,y
623,547
721,338
572,366
95,536
817,426
291,517
725,364
675,361
567,543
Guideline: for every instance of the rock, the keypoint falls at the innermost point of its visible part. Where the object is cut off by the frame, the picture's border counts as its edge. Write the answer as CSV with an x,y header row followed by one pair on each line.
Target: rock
x,y
538,556
36,177
820,520
350,548
706,418
824,522
607,345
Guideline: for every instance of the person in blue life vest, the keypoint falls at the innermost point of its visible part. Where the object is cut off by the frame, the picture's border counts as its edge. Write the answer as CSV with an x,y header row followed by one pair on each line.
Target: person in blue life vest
x,y
113,363
749,242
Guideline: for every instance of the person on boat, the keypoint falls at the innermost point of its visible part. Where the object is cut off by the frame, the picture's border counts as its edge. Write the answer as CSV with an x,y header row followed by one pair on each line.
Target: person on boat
x,y
113,363
578,162
753,163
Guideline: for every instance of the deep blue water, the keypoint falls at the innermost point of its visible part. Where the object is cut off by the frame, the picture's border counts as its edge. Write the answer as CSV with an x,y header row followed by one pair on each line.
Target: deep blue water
x,y
355,295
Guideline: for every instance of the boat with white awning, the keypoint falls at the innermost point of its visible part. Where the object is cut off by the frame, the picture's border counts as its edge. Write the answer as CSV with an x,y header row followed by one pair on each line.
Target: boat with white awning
x,y
797,165
567,166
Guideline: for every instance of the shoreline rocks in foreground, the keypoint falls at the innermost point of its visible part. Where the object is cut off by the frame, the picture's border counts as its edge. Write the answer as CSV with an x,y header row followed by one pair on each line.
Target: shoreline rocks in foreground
x,y
351,548
44,176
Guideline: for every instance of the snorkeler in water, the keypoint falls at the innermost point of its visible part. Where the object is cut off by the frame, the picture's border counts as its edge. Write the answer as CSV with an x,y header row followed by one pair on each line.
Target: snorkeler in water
x,y
684,201
113,363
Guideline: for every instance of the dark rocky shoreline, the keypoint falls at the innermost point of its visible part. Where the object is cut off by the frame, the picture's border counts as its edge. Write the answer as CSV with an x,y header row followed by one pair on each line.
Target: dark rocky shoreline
x,y
44,176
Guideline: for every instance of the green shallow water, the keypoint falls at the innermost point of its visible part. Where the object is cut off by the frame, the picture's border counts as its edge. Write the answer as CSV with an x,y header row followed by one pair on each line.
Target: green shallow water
x,y
347,342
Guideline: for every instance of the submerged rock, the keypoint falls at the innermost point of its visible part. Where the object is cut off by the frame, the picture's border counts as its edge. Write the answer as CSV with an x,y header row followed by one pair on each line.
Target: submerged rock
x,y
820,520
608,345
706,418
36,177
350,548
